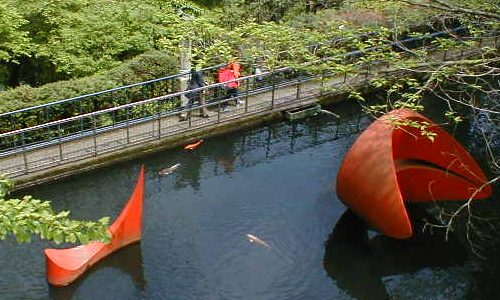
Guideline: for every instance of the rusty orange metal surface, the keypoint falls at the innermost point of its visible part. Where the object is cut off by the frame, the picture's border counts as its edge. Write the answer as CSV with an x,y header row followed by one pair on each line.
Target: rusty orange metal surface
x,y
389,166
64,266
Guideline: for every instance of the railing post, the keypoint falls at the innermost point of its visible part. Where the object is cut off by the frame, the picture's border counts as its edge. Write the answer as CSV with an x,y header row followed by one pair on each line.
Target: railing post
x,y
13,127
128,123
159,118
297,94
189,116
25,161
113,117
80,113
59,130
273,82
94,134
247,92
25,158
145,96
46,114
218,110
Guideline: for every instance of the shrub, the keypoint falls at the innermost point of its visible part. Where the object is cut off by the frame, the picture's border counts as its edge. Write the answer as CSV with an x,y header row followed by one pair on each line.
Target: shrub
x,y
147,66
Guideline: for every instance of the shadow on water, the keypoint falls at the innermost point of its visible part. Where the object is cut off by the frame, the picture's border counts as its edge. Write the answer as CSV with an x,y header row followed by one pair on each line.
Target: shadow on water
x,y
127,261
357,262
189,173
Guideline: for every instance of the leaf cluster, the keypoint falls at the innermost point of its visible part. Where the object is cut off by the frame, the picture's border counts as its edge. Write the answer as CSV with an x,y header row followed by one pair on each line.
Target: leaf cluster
x,y
26,217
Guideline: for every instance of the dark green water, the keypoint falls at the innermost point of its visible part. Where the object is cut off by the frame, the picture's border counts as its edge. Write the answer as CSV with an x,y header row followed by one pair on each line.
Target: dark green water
x,y
274,181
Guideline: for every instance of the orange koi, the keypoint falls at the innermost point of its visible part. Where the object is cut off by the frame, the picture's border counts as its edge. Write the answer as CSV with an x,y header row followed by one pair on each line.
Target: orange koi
x,y
193,146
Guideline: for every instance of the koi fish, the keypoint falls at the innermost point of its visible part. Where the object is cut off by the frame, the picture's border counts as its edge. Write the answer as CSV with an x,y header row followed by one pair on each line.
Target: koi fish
x,y
169,170
253,239
193,146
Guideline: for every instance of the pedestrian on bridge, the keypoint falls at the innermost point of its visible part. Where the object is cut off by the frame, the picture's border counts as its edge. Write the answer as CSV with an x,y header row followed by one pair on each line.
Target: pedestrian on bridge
x,y
229,74
196,81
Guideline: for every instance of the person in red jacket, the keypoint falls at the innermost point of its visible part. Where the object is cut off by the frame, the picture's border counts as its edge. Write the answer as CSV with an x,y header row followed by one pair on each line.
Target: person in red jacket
x,y
236,67
229,74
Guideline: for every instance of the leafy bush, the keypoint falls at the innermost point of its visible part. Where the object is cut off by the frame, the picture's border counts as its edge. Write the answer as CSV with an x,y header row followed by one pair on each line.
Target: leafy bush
x,y
147,66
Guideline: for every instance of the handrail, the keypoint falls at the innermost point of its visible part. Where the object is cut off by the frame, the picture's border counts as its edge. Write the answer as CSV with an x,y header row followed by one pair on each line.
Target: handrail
x,y
106,91
128,105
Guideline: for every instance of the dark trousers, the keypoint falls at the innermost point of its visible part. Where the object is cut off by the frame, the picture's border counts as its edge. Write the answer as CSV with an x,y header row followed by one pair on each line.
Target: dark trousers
x,y
230,94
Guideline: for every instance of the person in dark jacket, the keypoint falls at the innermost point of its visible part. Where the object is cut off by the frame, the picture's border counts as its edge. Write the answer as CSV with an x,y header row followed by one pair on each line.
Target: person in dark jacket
x,y
196,82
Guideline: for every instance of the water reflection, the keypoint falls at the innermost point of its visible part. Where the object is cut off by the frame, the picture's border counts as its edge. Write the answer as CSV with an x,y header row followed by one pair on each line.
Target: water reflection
x,y
224,154
189,173
357,262
125,262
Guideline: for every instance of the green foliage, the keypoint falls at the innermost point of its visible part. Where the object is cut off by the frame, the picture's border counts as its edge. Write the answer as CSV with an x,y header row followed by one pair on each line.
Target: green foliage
x,y
424,127
13,40
453,116
390,13
262,11
81,37
150,65
27,216
5,186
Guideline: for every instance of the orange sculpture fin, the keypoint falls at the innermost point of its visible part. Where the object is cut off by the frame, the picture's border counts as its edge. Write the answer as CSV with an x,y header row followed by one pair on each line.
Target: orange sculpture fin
x,y
64,266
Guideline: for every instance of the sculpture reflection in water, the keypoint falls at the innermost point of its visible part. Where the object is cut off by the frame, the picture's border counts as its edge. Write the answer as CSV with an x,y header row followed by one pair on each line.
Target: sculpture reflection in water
x,y
127,261
358,263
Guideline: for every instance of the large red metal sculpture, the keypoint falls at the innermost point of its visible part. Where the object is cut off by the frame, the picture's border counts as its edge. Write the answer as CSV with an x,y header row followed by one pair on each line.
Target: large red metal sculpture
x,y
390,165
66,265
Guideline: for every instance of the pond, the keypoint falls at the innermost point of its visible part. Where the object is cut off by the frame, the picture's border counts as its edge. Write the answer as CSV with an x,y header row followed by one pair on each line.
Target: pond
x,y
276,182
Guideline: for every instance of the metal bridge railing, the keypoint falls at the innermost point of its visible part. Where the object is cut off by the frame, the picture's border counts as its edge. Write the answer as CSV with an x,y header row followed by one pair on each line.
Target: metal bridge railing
x,y
83,104
88,135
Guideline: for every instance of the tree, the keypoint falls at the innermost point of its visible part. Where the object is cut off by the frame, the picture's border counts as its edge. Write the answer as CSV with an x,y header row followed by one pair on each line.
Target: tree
x,y
13,40
58,40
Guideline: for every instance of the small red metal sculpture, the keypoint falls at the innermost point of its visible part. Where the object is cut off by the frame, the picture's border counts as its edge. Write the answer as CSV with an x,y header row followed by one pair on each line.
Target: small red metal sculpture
x,y
66,265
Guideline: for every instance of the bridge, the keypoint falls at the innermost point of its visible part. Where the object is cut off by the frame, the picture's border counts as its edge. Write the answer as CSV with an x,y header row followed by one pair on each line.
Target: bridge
x,y
70,134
